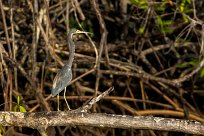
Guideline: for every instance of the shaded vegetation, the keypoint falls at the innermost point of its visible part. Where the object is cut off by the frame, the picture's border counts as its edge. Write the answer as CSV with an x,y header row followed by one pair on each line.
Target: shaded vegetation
x,y
152,55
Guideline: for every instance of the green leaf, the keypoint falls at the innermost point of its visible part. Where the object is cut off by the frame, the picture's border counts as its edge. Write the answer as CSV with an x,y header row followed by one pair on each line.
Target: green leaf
x,y
188,1
167,22
2,129
167,30
182,8
160,9
182,65
135,2
142,2
141,30
185,19
159,20
22,109
18,100
202,73
15,109
194,62
144,6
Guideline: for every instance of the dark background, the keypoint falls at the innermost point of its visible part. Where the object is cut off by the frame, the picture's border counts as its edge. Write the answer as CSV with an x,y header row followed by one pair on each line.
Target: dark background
x,y
150,46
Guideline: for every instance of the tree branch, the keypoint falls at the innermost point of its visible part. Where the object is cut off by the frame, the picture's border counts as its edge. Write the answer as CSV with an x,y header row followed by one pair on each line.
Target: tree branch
x,y
42,120
80,117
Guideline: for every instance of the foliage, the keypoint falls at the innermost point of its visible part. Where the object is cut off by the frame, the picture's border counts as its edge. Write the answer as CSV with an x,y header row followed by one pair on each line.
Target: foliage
x,y
194,63
162,8
18,106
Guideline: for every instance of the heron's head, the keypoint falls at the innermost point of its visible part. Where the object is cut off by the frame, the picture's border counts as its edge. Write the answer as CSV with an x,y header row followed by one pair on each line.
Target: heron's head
x,y
76,31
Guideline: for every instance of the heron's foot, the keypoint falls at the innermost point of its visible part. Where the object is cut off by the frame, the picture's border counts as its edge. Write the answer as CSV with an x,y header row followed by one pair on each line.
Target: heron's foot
x,y
67,105
69,109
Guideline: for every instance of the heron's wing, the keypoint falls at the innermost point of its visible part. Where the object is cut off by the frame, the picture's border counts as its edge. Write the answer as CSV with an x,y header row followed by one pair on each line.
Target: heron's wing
x,y
61,80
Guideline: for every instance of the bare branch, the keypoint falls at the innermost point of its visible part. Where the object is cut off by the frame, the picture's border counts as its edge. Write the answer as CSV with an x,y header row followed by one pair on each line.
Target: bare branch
x,y
44,119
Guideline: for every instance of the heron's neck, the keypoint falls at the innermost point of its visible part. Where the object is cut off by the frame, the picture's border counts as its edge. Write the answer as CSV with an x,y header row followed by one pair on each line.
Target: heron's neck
x,y
71,50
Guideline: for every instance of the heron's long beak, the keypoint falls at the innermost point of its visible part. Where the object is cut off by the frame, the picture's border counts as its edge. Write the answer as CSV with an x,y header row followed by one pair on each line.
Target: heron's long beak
x,y
80,32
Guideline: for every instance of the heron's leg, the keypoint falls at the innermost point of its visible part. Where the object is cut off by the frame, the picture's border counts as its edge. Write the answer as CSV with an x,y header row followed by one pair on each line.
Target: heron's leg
x,y
57,102
65,98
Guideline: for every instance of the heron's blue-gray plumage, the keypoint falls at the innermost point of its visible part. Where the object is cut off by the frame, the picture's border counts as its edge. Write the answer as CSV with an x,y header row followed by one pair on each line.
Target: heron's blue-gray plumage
x,y
64,76
61,80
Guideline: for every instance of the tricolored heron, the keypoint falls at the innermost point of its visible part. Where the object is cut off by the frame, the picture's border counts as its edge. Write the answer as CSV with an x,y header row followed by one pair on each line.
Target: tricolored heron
x,y
64,76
